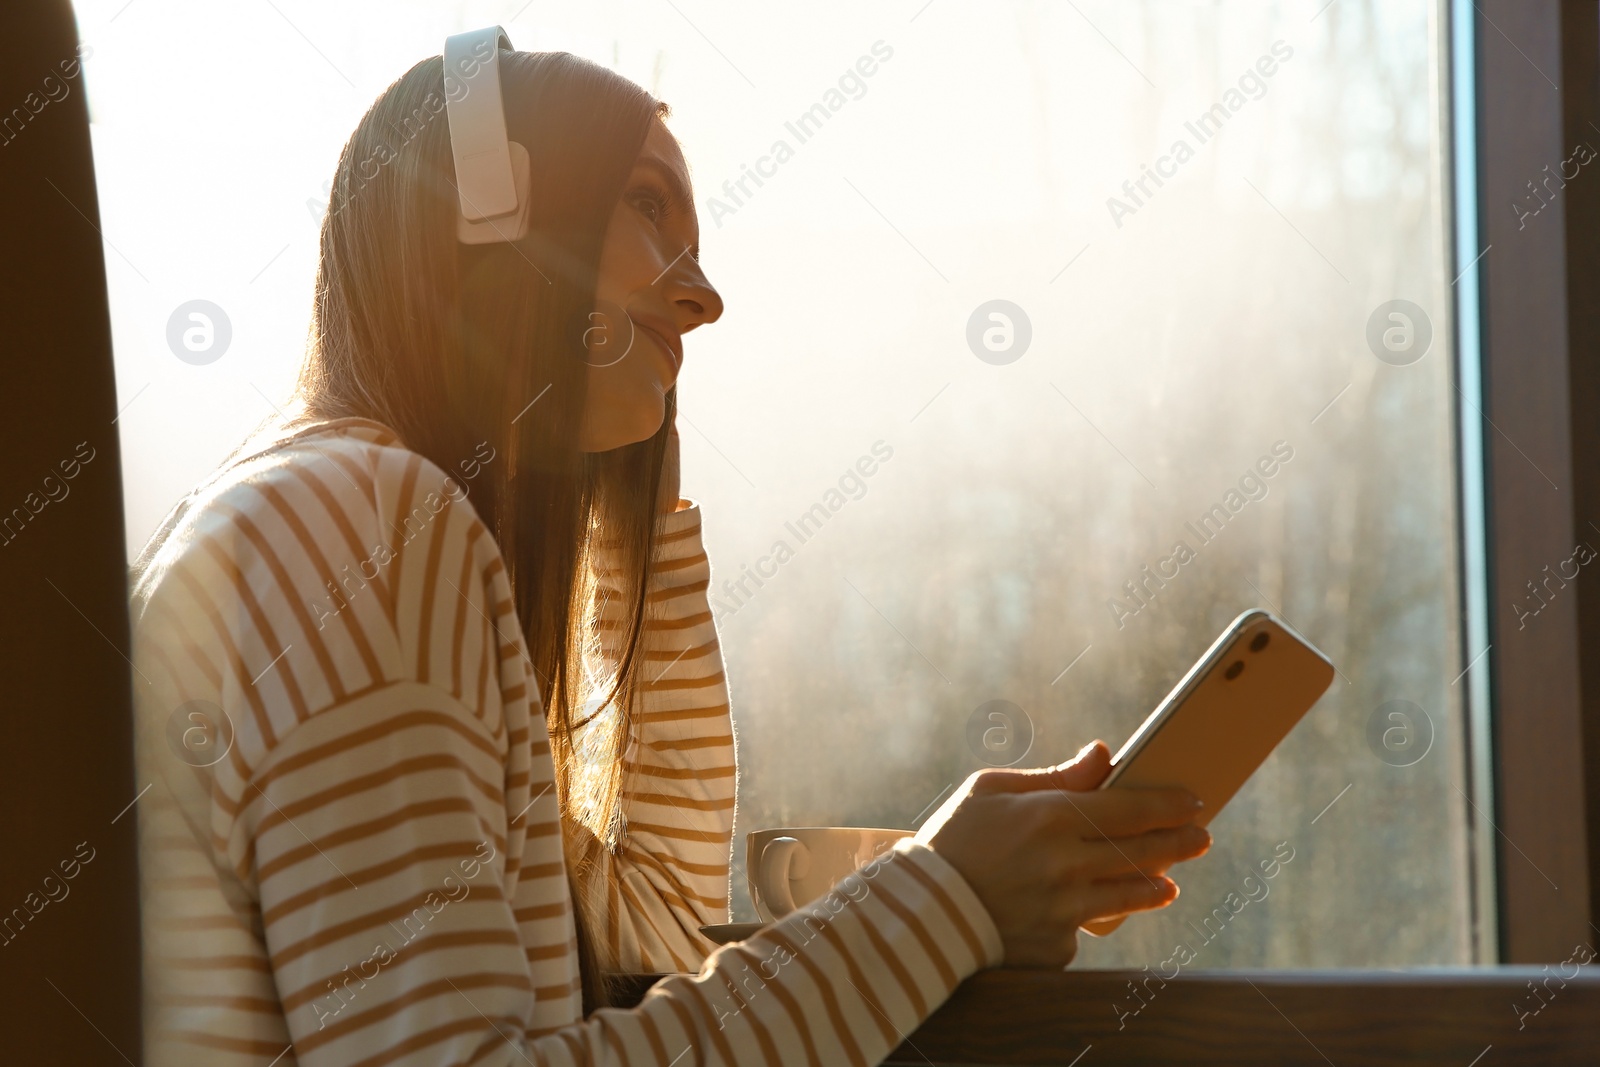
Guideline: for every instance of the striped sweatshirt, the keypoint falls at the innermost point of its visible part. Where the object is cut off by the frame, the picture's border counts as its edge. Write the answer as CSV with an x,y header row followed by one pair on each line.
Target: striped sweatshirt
x,y
351,846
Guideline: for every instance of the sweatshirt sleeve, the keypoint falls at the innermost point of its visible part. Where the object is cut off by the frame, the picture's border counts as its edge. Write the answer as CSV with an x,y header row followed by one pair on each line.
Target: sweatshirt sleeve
x,y
392,935
671,876
382,841
394,853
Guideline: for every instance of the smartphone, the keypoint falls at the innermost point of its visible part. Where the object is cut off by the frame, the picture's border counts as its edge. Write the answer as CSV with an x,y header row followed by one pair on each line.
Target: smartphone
x,y
1224,718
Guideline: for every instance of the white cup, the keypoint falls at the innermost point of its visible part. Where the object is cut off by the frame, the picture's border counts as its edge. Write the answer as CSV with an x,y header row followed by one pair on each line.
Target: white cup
x,y
792,866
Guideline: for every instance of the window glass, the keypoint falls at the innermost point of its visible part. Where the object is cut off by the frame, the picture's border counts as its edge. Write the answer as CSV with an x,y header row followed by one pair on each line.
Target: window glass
x,y
1056,337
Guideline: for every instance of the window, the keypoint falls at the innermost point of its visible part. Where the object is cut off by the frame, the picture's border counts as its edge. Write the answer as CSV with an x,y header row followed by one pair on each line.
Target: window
x,y
1031,297
1191,330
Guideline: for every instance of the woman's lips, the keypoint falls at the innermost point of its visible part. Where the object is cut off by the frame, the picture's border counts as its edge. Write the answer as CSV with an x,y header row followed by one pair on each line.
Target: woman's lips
x,y
674,356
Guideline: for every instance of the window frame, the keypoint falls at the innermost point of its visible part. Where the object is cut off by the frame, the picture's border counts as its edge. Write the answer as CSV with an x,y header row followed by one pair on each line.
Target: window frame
x,y
1528,355
1536,710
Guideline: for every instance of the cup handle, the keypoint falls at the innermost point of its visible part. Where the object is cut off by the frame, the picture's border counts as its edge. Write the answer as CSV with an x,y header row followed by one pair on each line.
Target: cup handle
x,y
783,858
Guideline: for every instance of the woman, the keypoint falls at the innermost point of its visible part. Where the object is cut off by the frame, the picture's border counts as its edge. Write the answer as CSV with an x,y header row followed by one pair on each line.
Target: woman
x,y
430,695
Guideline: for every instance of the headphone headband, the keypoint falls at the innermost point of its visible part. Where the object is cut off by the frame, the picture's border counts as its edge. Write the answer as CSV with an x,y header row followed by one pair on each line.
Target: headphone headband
x,y
492,172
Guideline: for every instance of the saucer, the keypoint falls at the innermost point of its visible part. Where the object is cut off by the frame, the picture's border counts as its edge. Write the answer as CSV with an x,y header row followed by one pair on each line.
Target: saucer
x,y
726,933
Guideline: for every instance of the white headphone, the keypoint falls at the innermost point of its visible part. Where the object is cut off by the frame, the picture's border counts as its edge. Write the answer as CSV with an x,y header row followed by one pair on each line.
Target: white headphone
x,y
491,171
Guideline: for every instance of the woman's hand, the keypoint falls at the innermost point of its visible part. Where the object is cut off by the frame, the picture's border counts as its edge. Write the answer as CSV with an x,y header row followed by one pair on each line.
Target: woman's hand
x,y
667,498
1046,852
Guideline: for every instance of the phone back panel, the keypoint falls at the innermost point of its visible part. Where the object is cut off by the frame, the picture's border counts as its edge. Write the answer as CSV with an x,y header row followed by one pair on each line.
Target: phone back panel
x,y
1225,727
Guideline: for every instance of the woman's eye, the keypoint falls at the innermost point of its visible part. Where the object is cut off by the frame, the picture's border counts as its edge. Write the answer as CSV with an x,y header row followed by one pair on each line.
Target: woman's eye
x,y
652,204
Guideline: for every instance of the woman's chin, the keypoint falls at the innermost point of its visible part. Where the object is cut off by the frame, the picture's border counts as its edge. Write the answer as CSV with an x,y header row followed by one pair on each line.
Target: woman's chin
x,y
619,435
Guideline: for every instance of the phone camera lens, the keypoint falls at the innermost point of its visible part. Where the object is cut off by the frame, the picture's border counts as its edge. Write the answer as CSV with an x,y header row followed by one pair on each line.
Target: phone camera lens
x,y
1260,640
1234,670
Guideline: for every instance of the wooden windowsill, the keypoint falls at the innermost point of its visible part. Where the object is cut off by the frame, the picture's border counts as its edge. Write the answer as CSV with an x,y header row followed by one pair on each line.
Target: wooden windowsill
x,y
1237,1017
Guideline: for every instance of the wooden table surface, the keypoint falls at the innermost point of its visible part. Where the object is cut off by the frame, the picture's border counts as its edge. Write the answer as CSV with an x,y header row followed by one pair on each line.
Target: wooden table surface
x,y
1466,1017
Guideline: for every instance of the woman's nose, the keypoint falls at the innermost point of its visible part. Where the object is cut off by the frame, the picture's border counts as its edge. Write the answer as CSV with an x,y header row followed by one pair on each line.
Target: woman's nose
x,y
692,294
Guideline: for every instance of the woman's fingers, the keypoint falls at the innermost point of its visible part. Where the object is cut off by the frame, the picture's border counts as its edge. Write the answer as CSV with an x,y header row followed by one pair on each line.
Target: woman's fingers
x,y
1124,812
1123,896
1082,772
1145,854
1045,860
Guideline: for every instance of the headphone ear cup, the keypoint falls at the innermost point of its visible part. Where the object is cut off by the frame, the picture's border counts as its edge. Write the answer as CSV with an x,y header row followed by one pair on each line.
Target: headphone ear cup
x,y
512,227
492,174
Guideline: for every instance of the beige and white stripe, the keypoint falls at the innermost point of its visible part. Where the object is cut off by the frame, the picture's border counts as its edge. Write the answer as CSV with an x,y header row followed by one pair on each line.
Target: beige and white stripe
x,y
366,865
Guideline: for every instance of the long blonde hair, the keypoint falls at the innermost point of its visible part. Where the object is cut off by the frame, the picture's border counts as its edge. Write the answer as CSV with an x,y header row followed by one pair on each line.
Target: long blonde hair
x,y
447,344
